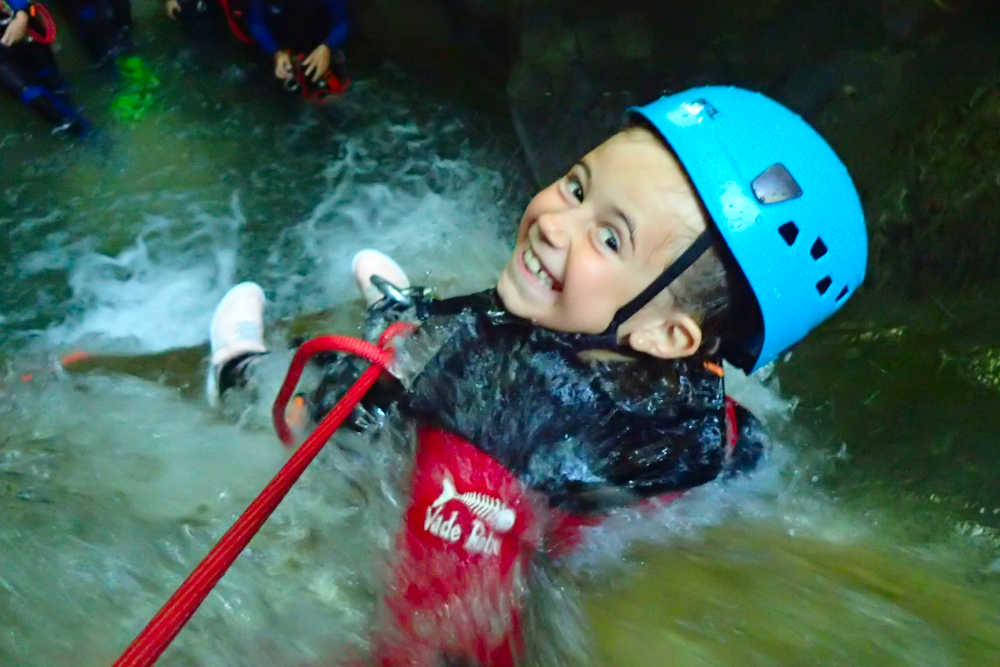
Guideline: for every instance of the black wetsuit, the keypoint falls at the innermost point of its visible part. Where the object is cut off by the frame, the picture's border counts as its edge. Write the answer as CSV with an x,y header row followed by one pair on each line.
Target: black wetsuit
x,y
28,71
104,26
590,435
297,25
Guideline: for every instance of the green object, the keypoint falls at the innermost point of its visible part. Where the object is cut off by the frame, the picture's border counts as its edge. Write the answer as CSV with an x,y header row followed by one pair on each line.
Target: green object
x,y
138,95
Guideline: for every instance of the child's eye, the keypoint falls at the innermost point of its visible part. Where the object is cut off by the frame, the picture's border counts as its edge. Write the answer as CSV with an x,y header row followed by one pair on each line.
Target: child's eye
x,y
609,237
575,189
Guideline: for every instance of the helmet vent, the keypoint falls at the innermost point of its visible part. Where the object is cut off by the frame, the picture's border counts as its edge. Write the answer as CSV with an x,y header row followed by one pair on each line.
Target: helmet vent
x,y
818,249
789,231
775,185
842,294
823,285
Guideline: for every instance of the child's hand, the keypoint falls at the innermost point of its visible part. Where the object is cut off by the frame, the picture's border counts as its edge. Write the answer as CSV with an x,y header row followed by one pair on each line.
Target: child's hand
x,y
173,8
16,29
283,65
318,62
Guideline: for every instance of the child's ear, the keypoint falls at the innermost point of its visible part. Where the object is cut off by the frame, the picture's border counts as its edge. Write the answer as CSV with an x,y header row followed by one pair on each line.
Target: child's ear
x,y
668,337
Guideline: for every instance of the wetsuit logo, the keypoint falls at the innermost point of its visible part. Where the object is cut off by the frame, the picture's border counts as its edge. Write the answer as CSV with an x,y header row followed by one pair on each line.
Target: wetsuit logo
x,y
491,515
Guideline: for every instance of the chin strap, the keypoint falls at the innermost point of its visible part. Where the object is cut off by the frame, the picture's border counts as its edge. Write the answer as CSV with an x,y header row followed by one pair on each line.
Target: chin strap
x,y
609,337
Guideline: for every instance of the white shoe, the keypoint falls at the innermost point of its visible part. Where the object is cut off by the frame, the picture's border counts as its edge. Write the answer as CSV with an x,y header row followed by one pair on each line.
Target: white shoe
x,y
368,263
237,328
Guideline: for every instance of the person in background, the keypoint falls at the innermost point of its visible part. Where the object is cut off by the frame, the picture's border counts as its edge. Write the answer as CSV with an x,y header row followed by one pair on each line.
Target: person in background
x,y
103,26
16,22
28,70
313,30
302,39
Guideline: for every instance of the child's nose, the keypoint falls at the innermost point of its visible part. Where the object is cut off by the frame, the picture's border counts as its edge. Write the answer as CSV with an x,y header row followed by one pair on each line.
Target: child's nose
x,y
554,227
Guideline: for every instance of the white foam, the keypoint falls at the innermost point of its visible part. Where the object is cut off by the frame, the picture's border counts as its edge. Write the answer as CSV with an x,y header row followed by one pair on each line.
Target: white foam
x,y
156,294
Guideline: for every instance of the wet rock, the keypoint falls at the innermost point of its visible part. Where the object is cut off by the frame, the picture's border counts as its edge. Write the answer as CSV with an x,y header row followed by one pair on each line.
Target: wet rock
x,y
919,135
908,20
459,46
984,367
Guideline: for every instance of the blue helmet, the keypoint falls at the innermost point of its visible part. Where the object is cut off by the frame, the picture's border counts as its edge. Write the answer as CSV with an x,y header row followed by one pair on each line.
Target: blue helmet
x,y
781,199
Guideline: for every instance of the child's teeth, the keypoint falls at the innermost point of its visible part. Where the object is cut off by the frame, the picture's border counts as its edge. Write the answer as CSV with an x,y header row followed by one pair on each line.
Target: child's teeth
x,y
531,261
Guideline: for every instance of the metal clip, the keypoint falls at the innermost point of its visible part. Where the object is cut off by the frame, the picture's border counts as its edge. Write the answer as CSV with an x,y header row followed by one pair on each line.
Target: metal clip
x,y
390,291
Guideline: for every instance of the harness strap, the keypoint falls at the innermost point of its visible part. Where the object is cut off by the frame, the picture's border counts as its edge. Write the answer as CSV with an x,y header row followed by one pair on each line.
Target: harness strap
x,y
461,559
732,427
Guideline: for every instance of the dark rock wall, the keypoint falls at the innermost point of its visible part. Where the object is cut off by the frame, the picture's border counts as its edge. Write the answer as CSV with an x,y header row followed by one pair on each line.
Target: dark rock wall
x,y
908,91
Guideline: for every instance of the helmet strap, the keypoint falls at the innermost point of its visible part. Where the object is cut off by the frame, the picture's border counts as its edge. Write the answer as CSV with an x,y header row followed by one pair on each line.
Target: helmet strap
x,y
672,272
609,338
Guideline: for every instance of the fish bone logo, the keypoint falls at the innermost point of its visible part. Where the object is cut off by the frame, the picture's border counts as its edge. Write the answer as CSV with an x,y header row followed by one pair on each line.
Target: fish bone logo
x,y
492,511
491,518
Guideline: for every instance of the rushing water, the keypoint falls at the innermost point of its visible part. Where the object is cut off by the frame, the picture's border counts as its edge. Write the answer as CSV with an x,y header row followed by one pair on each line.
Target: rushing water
x,y
868,537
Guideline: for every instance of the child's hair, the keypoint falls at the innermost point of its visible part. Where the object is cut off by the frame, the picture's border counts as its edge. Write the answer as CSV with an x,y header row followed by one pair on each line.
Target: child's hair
x,y
713,290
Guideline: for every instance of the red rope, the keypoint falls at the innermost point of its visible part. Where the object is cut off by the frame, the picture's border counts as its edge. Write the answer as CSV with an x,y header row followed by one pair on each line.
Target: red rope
x,y
167,622
48,25
231,19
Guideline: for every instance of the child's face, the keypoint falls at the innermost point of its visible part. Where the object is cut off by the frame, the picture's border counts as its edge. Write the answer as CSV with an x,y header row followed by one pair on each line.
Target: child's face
x,y
594,239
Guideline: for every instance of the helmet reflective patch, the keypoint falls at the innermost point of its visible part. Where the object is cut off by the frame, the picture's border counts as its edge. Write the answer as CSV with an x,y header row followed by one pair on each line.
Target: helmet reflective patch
x,y
691,113
775,185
